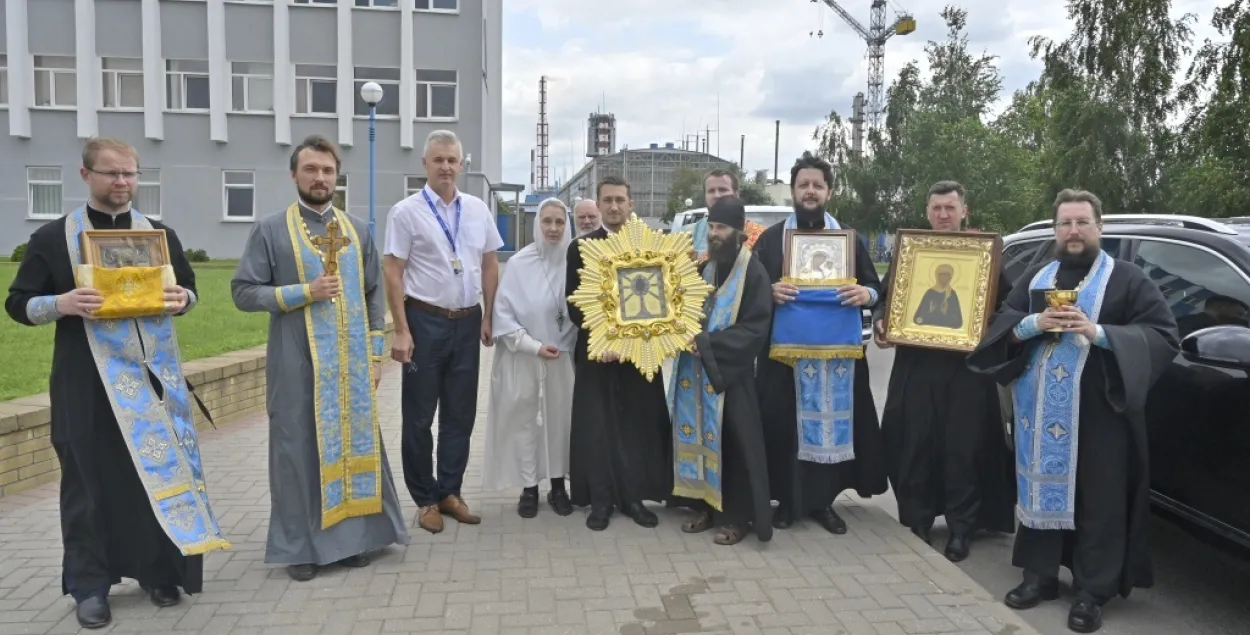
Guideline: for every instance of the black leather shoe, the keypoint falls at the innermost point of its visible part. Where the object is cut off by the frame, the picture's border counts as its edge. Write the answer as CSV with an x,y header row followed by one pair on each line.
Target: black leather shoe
x,y
957,548
831,521
94,612
923,533
527,507
1084,617
641,515
559,501
783,518
302,572
598,518
357,561
1033,591
163,596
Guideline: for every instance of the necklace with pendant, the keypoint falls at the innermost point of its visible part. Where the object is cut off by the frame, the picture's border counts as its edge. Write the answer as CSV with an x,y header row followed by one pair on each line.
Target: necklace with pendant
x,y
554,296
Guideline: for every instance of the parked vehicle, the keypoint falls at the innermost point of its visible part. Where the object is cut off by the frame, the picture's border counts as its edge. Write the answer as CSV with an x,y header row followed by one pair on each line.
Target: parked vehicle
x,y
1198,414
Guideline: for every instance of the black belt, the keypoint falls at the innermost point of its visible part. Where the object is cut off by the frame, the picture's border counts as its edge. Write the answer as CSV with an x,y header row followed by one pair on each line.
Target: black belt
x,y
452,314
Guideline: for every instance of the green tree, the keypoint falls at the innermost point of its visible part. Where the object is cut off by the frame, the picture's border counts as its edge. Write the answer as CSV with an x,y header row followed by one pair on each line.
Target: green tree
x,y
934,130
1212,172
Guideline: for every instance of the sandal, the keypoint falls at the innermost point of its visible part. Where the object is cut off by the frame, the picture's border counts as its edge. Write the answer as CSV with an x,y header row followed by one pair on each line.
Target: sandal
x,y
729,535
700,523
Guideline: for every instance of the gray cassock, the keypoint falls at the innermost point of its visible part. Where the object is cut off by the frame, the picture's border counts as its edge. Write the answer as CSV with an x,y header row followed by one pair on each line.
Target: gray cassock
x,y
295,533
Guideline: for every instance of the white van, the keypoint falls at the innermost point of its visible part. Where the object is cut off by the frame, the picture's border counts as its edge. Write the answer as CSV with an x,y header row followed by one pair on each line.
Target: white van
x,y
766,215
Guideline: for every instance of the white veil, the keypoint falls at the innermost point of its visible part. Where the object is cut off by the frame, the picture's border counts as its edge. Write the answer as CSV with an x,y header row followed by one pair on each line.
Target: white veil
x,y
531,294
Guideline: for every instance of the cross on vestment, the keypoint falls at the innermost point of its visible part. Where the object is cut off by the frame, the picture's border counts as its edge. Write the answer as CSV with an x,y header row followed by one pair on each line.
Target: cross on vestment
x,y
329,246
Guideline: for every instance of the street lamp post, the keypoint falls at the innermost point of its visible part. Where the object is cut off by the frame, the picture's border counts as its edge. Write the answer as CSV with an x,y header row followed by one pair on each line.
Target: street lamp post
x,y
371,93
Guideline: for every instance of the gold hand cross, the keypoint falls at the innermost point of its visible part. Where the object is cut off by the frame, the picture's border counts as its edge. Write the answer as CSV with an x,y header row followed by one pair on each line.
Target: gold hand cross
x,y
329,246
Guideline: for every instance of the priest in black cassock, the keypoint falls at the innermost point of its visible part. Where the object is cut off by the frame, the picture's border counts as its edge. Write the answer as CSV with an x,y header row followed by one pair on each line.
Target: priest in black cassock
x,y
721,469
805,488
944,444
1078,397
620,446
122,427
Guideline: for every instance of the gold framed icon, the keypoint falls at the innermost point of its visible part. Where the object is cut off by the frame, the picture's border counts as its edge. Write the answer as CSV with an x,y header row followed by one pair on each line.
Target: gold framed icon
x,y
640,294
819,257
943,288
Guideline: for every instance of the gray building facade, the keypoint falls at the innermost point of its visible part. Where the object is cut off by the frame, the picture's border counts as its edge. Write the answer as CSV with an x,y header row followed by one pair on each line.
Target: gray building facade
x,y
215,93
649,172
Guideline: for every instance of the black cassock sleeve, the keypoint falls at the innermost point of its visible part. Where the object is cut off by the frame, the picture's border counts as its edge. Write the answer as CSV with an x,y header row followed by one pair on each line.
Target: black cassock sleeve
x,y
1143,348
729,355
865,271
183,273
572,280
33,278
999,355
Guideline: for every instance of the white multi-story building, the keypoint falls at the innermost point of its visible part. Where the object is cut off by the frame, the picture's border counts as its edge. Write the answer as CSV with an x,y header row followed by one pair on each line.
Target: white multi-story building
x,y
214,93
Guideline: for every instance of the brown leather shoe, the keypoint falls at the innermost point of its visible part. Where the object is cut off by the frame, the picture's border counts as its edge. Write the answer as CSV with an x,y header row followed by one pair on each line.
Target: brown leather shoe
x,y
455,507
430,520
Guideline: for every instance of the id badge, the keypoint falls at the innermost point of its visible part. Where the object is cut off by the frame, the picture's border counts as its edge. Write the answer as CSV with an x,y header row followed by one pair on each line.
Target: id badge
x,y
456,268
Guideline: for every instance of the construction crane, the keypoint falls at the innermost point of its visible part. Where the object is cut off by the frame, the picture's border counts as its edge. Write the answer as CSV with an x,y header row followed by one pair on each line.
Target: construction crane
x,y
875,36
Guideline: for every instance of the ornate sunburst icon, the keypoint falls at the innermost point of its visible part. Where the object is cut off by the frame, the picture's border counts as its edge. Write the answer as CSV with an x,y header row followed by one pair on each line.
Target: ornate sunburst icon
x,y
641,295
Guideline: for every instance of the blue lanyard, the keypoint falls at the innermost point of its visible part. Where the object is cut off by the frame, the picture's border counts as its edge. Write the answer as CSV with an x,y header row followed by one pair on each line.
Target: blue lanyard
x,y
451,238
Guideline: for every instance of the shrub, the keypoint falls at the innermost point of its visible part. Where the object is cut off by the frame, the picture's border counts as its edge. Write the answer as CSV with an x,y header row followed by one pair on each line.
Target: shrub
x,y
197,255
18,252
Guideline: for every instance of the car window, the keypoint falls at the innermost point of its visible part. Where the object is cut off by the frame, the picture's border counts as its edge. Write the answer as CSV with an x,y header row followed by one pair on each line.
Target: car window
x,y
1017,256
1201,288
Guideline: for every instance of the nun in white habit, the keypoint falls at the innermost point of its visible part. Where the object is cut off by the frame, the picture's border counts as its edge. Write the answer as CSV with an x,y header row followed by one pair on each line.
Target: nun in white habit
x,y
531,384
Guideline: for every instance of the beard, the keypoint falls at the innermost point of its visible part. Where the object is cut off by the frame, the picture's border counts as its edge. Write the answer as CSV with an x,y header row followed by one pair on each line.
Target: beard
x,y
808,215
314,198
724,251
1083,258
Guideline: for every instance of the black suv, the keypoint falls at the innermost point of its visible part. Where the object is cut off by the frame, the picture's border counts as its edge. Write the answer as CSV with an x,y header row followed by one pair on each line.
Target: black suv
x,y
1198,414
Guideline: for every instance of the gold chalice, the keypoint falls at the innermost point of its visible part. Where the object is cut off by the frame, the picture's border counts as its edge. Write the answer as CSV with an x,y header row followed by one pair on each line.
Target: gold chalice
x,y
1059,298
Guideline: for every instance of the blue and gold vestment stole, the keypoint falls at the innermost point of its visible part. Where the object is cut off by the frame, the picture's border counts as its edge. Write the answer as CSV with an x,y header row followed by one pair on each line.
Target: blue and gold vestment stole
x,y
695,409
1047,403
341,345
159,433
821,338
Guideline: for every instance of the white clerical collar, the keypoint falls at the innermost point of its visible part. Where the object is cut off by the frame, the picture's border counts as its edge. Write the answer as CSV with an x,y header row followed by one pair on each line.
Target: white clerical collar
x,y
321,213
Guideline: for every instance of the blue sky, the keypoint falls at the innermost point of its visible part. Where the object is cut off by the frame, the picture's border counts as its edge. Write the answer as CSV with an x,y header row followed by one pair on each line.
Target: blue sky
x,y
660,66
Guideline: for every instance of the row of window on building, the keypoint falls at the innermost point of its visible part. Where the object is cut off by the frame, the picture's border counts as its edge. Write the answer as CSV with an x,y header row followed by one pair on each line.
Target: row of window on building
x,y
46,193
419,5
251,87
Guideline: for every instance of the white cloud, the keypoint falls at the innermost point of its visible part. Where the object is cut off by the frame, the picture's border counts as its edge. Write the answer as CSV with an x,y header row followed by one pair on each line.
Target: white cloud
x,y
660,65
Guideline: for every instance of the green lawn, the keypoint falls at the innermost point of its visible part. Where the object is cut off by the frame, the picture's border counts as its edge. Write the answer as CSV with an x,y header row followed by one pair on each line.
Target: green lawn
x,y
214,327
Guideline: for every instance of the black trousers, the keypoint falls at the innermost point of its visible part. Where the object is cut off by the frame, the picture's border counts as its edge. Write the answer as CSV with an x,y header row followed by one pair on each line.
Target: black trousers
x,y
443,377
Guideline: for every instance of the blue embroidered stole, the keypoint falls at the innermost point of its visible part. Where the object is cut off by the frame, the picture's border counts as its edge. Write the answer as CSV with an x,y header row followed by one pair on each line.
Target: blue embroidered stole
x,y
696,410
1046,400
344,403
821,339
160,433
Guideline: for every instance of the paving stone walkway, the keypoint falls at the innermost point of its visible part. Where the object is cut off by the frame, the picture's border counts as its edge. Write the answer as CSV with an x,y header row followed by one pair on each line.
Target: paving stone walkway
x,y
511,576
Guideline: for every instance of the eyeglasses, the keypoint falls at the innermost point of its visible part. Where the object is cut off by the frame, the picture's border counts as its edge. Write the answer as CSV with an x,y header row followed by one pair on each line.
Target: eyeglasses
x,y
125,176
1081,224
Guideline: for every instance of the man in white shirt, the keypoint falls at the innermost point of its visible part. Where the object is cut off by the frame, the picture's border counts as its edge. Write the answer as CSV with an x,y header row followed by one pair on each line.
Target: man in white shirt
x,y
439,260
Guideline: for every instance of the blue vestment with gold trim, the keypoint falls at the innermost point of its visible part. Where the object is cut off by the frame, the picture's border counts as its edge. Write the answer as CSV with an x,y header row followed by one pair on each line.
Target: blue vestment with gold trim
x,y
821,338
696,411
157,428
348,434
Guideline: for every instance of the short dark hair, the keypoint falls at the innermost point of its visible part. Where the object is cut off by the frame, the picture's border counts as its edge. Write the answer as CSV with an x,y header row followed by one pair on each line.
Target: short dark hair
x,y
611,180
946,187
719,172
810,161
320,144
1070,195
